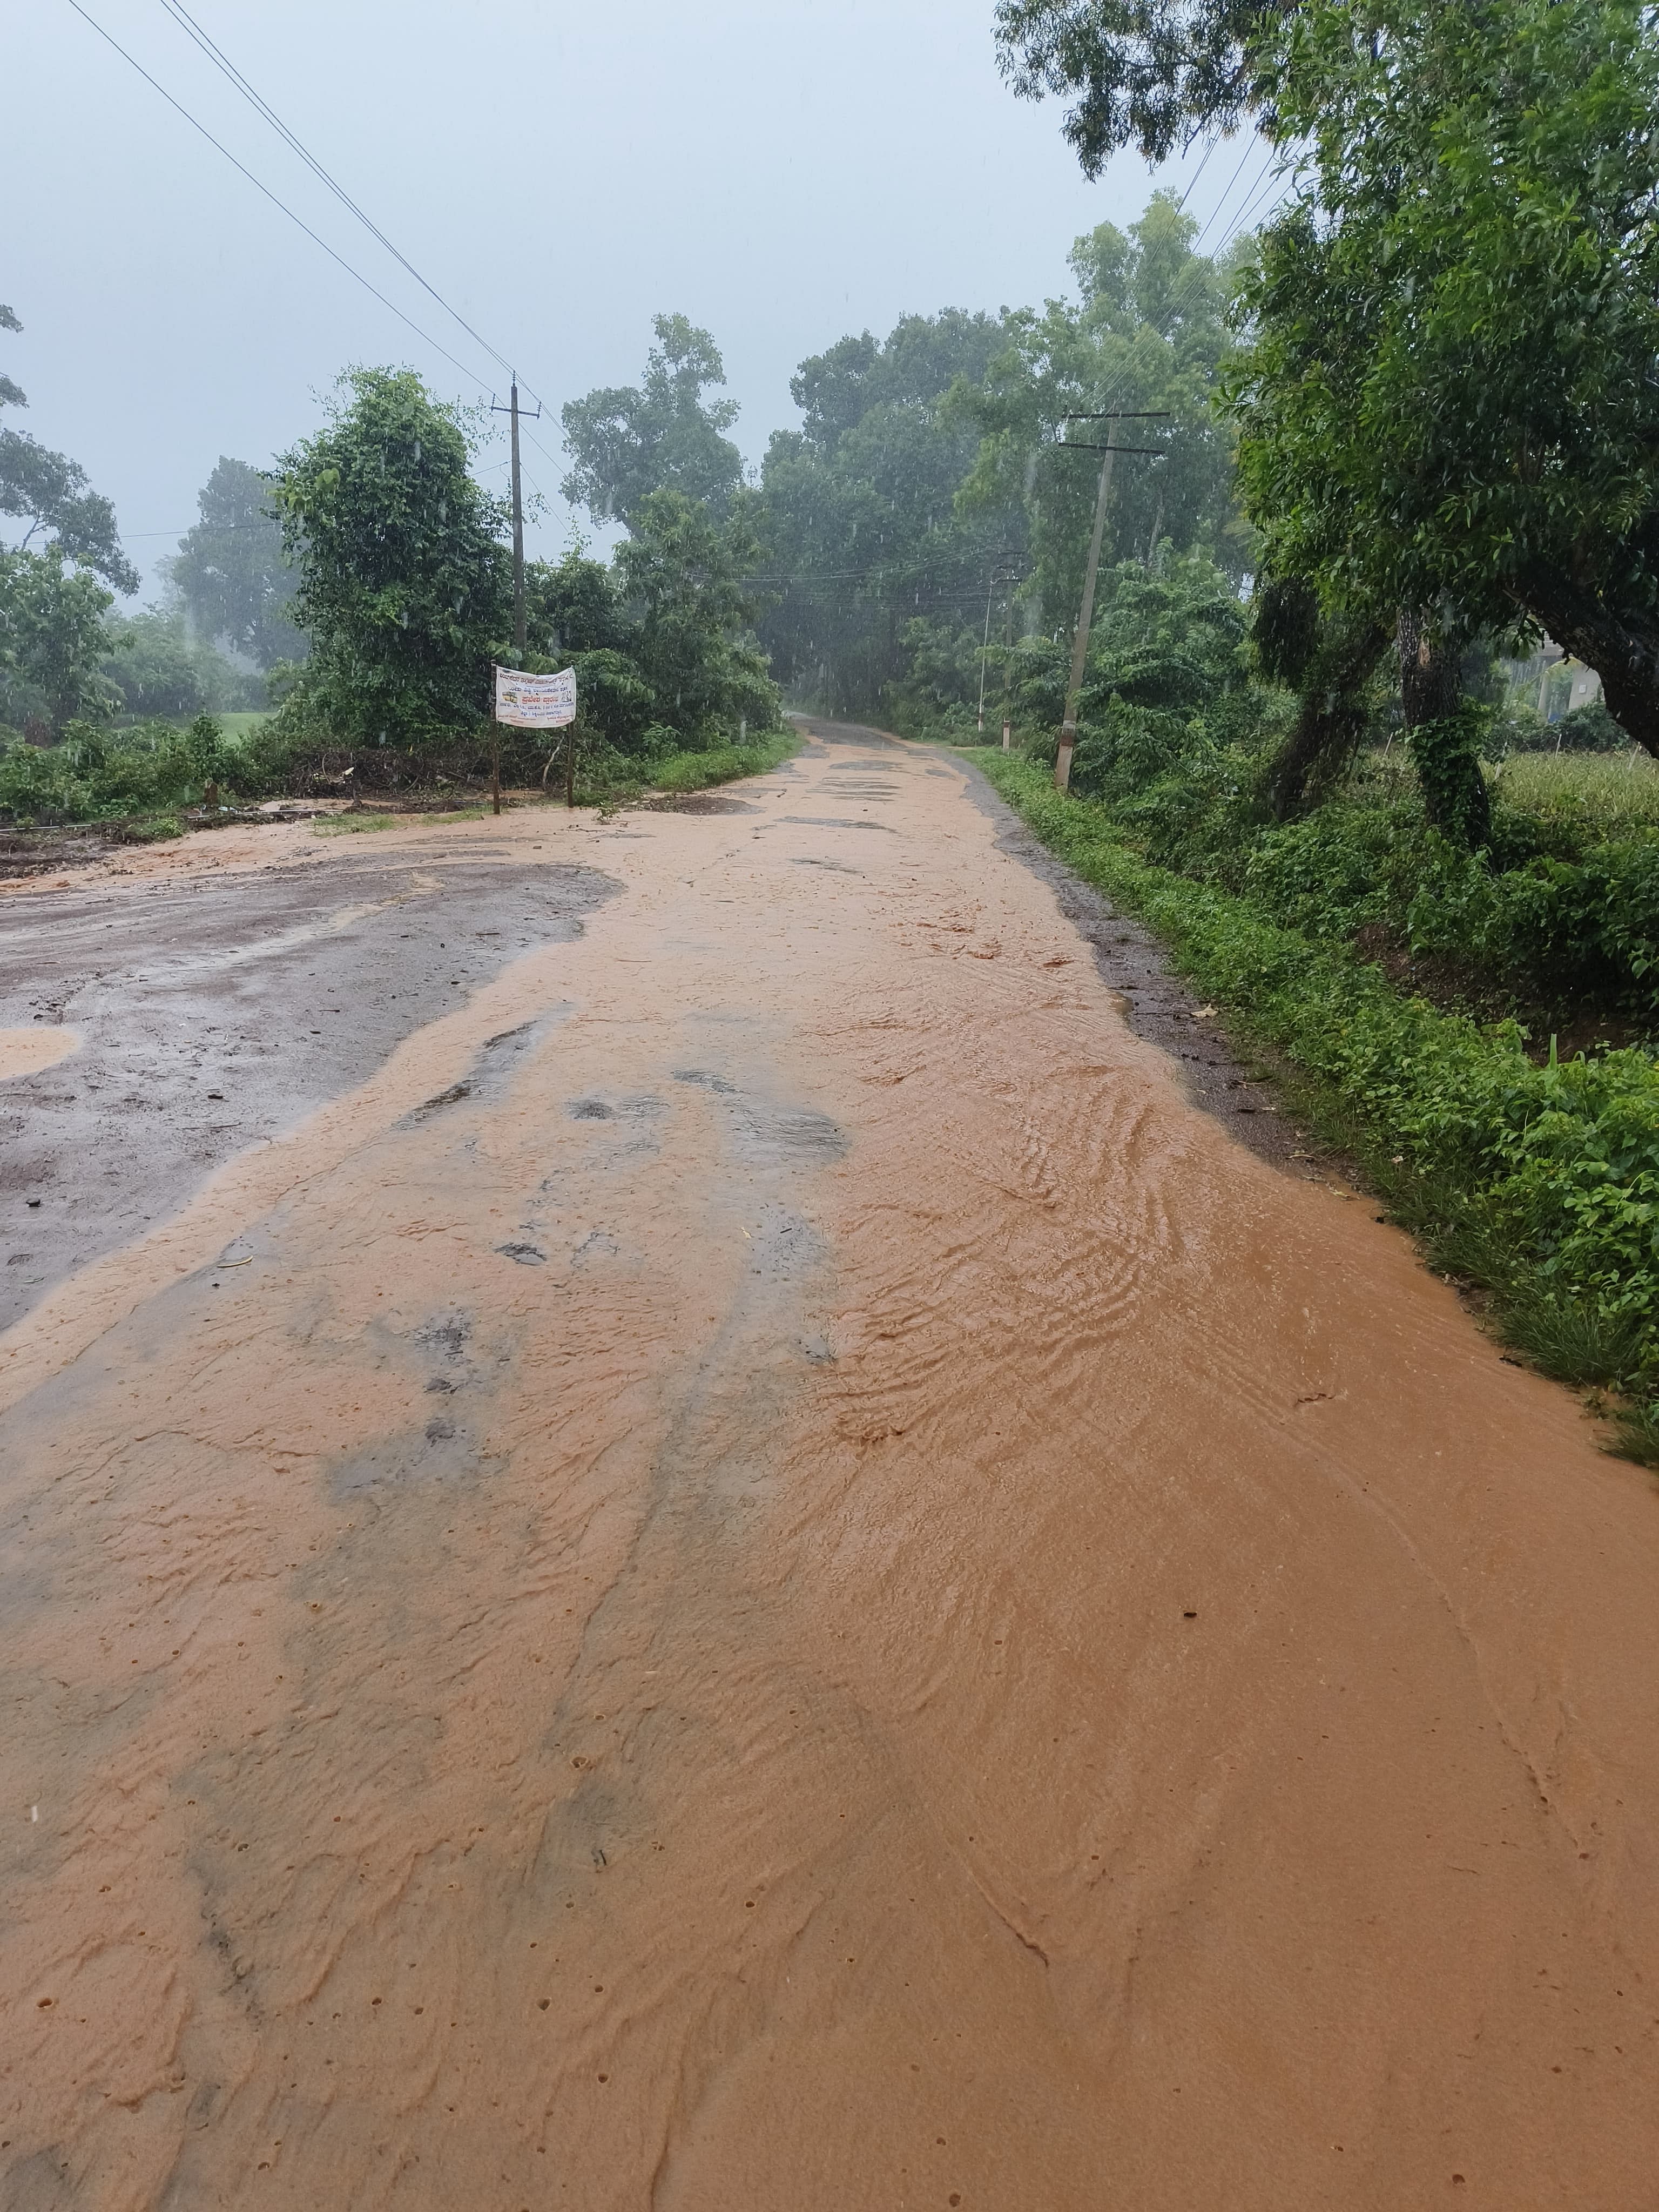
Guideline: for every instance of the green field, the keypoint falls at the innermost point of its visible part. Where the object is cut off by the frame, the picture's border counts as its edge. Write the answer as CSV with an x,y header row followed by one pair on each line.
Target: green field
x,y
241,725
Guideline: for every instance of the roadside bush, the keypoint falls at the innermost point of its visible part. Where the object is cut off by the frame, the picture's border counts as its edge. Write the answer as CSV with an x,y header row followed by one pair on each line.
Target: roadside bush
x,y
96,773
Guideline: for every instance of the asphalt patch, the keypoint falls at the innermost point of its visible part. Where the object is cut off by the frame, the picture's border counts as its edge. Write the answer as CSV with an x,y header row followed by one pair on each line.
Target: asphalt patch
x,y
220,1011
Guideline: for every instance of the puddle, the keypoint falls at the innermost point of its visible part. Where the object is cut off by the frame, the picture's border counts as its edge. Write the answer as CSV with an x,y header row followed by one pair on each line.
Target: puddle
x,y
26,1052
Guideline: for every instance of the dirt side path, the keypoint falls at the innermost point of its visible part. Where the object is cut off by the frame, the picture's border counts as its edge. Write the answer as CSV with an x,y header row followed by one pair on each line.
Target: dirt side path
x,y
762,1574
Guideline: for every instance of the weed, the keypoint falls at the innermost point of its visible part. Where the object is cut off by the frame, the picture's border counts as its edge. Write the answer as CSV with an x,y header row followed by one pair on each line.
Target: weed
x,y
356,825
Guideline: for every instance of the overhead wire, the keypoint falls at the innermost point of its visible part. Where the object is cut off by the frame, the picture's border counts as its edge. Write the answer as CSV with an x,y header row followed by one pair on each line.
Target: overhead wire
x,y
181,16
276,201
1210,145
1227,195
222,61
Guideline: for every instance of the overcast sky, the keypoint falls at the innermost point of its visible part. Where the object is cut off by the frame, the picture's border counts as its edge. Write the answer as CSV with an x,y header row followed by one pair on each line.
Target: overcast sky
x,y
781,173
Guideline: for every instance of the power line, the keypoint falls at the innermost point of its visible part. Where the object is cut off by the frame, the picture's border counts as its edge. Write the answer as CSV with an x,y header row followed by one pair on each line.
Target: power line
x,y
1269,178
1209,149
424,335
222,61
1227,195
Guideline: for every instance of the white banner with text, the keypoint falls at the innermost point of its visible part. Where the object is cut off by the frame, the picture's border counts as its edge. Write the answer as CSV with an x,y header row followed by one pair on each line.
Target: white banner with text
x,y
536,702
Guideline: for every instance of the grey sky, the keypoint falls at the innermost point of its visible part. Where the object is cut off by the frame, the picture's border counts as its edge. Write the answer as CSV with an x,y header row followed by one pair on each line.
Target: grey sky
x,y
781,173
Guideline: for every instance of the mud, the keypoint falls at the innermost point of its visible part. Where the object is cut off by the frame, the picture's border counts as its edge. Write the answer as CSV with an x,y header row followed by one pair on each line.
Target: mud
x,y
760,1571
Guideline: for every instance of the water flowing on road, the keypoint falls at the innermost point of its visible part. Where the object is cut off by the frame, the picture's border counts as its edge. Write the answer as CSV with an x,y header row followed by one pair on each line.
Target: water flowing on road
x,y
738,1564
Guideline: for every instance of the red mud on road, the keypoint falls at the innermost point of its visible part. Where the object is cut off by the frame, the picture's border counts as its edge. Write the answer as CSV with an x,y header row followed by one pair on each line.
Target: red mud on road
x,y
764,1574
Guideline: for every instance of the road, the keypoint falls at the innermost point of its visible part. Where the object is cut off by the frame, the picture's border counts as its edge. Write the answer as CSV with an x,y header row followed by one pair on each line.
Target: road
x,y
706,1544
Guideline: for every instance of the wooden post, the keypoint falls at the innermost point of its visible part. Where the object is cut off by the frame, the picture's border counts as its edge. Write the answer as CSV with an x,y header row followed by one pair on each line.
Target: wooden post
x,y
570,766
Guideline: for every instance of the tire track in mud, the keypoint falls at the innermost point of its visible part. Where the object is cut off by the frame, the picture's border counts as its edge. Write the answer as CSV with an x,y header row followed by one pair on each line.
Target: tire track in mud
x,y
773,1578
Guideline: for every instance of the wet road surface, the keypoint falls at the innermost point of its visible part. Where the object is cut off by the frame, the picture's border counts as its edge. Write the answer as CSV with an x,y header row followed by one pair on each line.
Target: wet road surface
x,y
735,1561
216,1009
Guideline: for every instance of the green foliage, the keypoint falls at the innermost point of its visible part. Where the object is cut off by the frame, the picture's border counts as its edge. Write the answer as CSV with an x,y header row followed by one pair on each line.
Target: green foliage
x,y
52,636
938,693
698,771
572,606
99,774
1544,1181
1447,755
1447,396
211,761
859,515
1148,333
1151,74
1566,802
680,576
404,583
50,492
1169,720
159,671
629,441
1587,729
231,570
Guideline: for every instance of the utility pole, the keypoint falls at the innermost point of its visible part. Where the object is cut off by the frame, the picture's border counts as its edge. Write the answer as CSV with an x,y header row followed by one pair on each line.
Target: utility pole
x,y
1080,643
984,650
1008,645
512,408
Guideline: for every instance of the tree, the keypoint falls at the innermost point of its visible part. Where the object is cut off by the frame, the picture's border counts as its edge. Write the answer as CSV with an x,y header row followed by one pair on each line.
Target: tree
x,y
50,492
681,577
1447,403
403,582
159,671
1151,74
1149,332
231,570
572,606
626,442
52,636
859,507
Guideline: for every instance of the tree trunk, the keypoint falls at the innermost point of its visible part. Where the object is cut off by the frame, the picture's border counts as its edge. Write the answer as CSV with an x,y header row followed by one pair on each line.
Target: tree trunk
x,y
1330,716
1430,674
1622,649
1443,736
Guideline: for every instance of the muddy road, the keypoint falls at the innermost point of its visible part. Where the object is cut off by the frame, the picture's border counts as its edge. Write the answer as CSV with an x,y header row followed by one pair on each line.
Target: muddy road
x,y
705,1547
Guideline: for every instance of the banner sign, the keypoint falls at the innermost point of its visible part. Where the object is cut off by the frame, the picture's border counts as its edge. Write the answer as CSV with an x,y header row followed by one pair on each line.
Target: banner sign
x,y
536,702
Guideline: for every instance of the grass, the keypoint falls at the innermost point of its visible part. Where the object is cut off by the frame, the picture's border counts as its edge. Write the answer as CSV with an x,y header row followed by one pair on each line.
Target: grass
x,y
1615,793
359,825
698,771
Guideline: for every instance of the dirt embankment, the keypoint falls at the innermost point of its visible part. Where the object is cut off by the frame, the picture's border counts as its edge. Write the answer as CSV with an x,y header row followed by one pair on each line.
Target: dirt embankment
x,y
760,1572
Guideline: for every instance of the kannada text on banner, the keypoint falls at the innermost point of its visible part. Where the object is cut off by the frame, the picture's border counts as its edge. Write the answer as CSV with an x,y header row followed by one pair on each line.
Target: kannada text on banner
x,y
536,702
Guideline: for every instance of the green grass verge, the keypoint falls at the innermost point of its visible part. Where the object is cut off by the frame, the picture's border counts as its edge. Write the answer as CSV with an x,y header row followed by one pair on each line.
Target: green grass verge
x,y
1541,1185
698,771
358,826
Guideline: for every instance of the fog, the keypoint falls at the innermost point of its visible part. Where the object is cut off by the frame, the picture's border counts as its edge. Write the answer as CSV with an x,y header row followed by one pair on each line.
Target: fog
x,y
781,173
